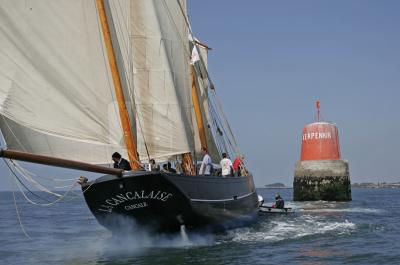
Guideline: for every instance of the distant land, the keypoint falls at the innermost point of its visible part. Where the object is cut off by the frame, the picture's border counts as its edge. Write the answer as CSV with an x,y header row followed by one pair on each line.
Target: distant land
x,y
364,185
379,185
277,186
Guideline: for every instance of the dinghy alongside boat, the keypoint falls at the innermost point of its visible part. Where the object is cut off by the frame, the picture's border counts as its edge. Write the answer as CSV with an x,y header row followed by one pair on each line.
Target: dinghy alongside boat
x,y
270,209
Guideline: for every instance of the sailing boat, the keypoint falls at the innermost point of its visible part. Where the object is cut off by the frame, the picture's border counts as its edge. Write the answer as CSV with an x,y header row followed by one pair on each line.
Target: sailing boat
x,y
82,79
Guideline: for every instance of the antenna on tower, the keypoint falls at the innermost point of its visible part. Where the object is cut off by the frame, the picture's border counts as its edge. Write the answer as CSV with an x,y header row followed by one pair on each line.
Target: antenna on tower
x,y
318,104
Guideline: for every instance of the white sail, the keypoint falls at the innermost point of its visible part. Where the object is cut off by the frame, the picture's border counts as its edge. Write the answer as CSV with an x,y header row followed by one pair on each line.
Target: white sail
x,y
203,51
56,94
161,87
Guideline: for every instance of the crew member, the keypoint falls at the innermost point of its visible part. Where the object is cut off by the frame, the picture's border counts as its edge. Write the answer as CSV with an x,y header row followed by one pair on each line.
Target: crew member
x,y
226,166
206,164
170,169
279,202
153,165
120,162
237,164
165,168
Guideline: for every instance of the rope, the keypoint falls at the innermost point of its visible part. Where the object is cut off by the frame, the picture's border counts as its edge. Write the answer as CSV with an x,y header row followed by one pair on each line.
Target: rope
x,y
35,203
20,183
16,178
46,204
79,195
219,105
19,217
29,178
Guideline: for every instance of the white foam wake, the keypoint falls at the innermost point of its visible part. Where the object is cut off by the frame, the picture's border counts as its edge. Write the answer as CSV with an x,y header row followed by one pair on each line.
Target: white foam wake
x,y
277,230
346,210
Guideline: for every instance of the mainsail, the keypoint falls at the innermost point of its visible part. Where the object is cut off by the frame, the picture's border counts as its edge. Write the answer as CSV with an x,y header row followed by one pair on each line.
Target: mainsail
x,y
56,97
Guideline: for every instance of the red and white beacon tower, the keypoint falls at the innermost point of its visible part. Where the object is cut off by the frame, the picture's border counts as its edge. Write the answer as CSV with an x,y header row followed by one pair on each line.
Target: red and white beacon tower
x,y
321,174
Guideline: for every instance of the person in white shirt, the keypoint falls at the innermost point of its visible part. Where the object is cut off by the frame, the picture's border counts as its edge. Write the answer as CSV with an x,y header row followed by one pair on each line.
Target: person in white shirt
x,y
226,165
205,168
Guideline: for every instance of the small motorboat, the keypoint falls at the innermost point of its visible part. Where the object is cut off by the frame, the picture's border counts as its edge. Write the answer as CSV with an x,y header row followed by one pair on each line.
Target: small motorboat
x,y
270,209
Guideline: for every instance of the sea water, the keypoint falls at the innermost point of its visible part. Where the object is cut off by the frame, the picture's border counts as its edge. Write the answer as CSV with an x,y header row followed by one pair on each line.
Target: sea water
x,y
364,231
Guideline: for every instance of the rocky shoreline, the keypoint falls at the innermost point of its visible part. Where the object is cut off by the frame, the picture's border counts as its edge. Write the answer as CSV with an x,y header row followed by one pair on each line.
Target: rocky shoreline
x,y
379,185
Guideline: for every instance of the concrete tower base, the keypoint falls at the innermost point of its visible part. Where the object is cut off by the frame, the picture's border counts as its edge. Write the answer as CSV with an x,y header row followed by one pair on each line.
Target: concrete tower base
x,y
326,180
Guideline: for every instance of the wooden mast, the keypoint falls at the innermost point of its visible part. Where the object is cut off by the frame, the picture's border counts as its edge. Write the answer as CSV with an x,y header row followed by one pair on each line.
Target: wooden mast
x,y
197,110
187,158
123,113
187,164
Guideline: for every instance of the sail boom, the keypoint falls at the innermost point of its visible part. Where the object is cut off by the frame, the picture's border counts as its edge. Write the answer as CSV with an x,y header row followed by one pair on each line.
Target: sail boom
x,y
58,162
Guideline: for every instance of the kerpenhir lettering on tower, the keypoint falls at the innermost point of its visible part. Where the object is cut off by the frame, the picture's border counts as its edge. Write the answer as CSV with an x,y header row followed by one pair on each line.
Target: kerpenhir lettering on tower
x,y
317,136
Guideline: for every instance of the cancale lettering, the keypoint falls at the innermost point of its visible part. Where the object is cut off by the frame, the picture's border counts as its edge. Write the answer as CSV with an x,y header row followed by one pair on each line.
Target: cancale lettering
x,y
136,206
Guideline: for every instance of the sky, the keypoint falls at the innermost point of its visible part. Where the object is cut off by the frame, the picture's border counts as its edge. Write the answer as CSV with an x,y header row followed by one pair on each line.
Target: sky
x,y
271,60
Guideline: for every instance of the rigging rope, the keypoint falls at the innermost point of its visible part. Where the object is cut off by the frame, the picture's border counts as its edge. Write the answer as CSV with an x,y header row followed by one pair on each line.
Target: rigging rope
x,y
222,119
16,178
220,123
20,183
19,217
30,179
50,203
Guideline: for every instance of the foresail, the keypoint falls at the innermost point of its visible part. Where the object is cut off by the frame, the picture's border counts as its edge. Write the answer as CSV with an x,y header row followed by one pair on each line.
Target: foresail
x,y
56,96
161,87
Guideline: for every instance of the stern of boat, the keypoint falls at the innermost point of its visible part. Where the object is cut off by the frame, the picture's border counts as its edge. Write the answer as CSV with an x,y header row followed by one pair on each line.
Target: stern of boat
x,y
139,198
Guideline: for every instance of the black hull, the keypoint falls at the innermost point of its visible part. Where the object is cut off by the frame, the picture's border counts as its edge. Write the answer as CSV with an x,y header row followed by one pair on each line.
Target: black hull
x,y
163,202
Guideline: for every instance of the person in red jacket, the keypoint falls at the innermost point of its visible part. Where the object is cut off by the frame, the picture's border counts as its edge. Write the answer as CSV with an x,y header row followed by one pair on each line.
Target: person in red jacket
x,y
237,164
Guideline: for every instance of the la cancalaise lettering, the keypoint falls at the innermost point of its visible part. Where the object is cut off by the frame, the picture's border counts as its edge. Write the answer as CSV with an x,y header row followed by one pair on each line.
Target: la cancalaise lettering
x,y
118,199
